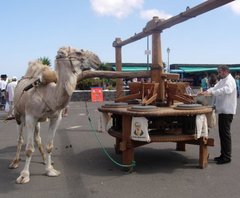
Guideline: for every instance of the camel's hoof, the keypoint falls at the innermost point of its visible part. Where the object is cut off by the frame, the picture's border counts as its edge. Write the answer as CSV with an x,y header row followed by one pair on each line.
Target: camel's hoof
x,y
44,162
23,178
51,172
14,164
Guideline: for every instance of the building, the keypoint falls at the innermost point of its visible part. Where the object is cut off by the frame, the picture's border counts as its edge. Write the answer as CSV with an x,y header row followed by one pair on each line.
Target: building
x,y
191,73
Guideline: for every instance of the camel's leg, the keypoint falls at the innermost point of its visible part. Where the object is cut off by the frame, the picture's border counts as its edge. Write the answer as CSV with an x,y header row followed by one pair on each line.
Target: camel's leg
x,y
53,125
39,142
16,160
30,127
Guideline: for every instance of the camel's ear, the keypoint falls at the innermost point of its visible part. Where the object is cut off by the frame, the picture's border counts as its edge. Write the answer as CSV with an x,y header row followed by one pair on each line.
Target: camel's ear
x,y
69,86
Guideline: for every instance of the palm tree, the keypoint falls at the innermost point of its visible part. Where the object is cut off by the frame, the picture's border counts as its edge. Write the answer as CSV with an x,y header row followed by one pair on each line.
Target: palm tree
x,y
45,61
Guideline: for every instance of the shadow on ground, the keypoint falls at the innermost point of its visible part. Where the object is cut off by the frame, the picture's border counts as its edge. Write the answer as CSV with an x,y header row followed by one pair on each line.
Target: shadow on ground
x,y
148,161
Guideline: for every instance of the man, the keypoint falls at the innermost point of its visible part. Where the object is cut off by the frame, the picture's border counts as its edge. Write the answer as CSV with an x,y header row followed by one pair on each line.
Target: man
x,y
226,104
3,84
204,82
10,95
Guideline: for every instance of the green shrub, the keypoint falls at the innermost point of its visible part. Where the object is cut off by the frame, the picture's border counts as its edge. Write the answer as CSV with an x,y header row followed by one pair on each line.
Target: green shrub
x,y
86,84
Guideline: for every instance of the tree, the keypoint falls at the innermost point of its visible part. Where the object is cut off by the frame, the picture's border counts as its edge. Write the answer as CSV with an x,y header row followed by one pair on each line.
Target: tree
x,y
45,61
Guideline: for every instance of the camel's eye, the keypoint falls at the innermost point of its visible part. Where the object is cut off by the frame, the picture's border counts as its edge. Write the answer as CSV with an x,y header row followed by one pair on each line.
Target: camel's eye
x,y
79,53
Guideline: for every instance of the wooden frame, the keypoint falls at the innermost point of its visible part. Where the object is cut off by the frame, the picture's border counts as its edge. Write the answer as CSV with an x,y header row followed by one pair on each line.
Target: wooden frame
x,y
146,92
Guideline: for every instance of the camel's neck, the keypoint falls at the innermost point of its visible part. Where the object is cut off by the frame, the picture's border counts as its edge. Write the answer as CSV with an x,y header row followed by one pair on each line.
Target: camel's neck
x,y
66,84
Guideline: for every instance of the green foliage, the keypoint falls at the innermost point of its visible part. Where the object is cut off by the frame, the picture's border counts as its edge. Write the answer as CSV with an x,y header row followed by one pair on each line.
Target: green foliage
x,y
45,61
105,67
86,84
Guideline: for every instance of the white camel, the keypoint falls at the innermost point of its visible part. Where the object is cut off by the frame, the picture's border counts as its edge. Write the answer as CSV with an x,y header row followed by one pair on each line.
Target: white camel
x,y
46,100
35,72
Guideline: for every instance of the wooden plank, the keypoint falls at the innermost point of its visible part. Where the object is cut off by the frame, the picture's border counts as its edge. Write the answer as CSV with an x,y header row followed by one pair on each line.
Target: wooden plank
x,y
113,74
150,100
210,142
128,97
128,154
158,25
119,82
203,154
181,146
170,76
157,65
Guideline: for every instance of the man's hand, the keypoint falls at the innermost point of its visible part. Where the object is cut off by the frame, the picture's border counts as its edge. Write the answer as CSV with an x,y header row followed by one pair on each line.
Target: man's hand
x,y
205,93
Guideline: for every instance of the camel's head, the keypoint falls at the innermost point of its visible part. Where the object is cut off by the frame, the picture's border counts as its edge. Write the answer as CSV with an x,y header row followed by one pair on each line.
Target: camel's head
x,y
80,59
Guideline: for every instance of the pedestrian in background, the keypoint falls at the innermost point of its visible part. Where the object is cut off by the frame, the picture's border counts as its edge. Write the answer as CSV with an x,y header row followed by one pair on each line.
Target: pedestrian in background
x,y
10,88
212,80
204,82
3,84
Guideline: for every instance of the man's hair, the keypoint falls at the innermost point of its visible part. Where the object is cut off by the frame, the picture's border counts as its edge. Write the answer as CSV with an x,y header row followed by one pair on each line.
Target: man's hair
x,y
223,67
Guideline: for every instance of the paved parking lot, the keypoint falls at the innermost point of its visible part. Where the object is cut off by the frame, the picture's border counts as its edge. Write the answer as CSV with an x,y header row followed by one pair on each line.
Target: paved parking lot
x,y
86,171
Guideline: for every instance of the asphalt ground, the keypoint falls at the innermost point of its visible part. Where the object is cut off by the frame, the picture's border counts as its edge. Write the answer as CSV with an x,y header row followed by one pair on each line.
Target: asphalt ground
x,y
86,171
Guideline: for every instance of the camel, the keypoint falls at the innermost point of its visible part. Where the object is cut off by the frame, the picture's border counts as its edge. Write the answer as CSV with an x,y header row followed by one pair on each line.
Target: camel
x,y
46,100
35,71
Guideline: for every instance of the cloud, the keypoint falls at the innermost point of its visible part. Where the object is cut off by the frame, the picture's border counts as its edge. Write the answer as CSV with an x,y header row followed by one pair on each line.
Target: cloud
x,y
117,8
149,14
235,6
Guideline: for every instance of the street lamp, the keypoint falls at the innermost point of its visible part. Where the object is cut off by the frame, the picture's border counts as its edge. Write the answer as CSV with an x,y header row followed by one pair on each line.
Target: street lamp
x,y
168,66
148,52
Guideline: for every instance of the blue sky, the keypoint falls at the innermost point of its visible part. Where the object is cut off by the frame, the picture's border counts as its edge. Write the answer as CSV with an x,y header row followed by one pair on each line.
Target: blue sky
x,y
32,29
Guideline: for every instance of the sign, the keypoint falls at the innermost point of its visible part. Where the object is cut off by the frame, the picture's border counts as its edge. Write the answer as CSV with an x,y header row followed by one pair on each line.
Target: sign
x,y
147,52
97,94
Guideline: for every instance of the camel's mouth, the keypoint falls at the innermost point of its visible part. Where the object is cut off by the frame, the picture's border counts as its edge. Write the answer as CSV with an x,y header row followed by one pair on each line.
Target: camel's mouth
x,y
95,63
86,69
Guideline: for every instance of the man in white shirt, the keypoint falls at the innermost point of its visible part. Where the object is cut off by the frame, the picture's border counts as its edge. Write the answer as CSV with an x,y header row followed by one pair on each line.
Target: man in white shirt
x,y
226,104
10,94
3,84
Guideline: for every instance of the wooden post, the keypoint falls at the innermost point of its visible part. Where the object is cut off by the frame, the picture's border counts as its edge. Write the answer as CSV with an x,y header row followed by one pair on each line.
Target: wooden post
x,y
157,65
203,152
118,57
128,154
181,146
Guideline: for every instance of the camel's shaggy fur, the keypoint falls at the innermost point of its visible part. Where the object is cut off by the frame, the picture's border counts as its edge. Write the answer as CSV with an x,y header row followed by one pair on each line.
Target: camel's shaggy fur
x,y
46,100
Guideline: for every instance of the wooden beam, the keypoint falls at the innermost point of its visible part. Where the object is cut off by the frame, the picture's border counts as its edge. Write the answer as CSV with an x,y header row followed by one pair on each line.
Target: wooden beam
x,y
157,64
158,24
116,74
190,13
118,59
170,76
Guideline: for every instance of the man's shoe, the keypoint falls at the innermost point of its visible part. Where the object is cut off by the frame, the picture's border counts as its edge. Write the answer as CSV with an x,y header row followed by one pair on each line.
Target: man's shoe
x,y
217,158
223,161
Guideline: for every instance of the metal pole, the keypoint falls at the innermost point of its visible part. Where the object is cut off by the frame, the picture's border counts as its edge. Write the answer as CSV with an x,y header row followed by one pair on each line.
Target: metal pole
x,y
148,53
168,66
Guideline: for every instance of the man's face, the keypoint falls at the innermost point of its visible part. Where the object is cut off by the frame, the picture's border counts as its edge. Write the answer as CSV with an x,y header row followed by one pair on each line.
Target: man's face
x,y
222,73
